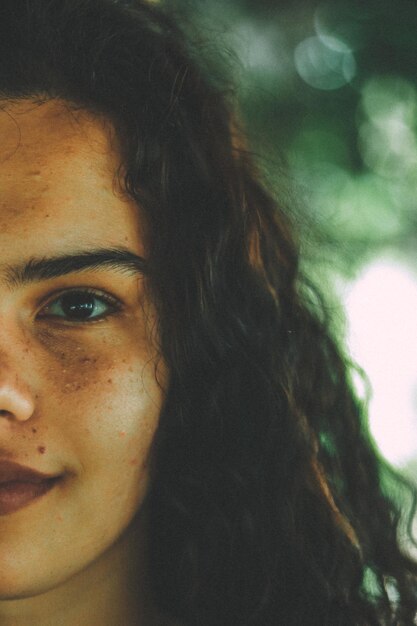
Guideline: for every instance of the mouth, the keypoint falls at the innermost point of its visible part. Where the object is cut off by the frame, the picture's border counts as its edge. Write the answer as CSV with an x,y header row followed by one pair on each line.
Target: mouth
x,y
16,494
20,485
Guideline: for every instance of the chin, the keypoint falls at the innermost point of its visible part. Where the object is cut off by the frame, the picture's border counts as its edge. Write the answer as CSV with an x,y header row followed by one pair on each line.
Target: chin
x,y
19,585
27,579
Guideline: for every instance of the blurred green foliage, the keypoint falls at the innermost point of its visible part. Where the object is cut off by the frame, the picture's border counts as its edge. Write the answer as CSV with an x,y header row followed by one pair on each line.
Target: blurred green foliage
x,y
329,90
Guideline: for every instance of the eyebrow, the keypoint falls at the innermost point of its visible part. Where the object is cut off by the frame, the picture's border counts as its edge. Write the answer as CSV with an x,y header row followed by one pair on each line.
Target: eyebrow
x,y
36,269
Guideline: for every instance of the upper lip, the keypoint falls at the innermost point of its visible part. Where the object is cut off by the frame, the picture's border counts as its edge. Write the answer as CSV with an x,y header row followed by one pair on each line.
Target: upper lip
x,y
10,471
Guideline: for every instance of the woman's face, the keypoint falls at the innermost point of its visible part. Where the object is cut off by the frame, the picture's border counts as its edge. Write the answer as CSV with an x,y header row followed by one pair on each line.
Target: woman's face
x,y
79,396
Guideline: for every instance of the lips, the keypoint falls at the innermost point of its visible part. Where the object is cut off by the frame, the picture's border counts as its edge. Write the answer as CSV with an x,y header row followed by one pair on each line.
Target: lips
x,y
20,485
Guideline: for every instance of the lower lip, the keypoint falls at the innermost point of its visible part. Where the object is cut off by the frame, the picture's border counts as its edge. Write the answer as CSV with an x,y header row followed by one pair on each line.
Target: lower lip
x,y
15,495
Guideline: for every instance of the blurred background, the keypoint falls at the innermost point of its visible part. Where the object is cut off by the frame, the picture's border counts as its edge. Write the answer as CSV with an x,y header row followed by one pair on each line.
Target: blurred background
x,y
328,92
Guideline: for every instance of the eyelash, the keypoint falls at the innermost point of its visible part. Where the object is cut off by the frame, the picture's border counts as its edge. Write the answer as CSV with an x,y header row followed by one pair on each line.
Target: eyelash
x,y
110,301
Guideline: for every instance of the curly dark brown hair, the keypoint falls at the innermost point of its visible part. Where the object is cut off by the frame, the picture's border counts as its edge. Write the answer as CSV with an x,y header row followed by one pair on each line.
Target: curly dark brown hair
x,y
268,502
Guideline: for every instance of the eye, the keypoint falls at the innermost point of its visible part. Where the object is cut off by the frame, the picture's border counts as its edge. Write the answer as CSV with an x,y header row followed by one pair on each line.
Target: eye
x,y
81,305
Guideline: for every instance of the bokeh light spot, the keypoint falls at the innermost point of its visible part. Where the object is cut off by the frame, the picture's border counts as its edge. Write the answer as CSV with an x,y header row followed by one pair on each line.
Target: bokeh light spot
x,y
387,126
325,62
381,308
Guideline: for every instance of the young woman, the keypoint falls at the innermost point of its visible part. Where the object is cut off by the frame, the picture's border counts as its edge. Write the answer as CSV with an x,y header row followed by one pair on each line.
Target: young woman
x,y
179,441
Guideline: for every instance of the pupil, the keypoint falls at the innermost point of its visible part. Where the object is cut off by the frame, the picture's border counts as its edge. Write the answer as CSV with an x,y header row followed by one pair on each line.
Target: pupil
x,y
78,305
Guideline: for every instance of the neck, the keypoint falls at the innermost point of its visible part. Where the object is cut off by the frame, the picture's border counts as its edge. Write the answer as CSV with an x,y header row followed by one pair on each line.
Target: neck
x,y
112,590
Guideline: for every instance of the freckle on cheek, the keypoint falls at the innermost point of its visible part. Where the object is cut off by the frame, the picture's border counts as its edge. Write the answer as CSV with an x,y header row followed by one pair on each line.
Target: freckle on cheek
x,y
70,387
34,430
41,449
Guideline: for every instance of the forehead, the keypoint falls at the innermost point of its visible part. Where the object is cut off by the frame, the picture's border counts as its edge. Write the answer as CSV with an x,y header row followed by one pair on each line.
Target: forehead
x,y
26,126
58,178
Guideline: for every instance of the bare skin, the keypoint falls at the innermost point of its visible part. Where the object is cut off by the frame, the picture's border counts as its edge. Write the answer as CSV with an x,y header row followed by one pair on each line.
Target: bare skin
x,y
78,397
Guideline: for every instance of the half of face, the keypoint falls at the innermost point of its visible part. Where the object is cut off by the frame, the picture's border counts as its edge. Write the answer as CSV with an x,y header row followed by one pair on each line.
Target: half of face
x,y
81,387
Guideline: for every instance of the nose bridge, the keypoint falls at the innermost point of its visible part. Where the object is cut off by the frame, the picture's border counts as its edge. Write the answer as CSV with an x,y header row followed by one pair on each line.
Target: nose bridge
x,y
16,399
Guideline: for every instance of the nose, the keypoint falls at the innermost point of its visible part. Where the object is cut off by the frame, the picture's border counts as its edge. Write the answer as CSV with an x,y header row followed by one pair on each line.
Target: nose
x,y
16,400
14,404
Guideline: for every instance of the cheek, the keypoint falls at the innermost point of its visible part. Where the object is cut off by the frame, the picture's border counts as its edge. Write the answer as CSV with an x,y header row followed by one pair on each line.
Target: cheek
x,y
105,397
